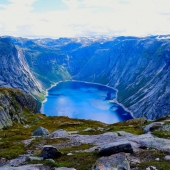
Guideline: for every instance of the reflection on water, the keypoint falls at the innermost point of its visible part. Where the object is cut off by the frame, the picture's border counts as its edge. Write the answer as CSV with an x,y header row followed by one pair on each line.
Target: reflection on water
x,y
84,101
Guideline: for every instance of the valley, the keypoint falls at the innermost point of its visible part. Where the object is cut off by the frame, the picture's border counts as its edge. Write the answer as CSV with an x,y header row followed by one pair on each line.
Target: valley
x,y
136,67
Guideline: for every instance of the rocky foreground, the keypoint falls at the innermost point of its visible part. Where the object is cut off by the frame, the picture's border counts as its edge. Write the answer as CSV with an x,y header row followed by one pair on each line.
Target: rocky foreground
x,y
136,144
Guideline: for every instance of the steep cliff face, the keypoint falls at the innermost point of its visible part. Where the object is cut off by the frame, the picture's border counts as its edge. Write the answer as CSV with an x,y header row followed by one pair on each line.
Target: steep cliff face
x,y
14,70
46,62
13,103
139,69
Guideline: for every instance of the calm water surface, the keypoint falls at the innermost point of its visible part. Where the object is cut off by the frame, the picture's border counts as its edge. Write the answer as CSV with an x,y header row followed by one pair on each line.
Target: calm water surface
x,y
84,101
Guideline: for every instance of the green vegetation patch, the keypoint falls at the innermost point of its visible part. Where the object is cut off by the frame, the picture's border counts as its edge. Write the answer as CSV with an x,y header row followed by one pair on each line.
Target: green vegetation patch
x,y
79,161
148,158
12,150
134,126
45,141
76,148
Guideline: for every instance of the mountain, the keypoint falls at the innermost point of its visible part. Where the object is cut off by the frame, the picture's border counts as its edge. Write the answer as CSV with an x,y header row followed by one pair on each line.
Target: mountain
x,y
137,67
13,103
14,69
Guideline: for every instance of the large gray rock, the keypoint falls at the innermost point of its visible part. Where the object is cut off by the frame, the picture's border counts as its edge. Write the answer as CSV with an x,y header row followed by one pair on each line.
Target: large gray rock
x,y
104,139
20,160
40,132
58,134
153,125
49,152
124,134
115,147
12,103
5,118
113,162
167,157
150,141
165,127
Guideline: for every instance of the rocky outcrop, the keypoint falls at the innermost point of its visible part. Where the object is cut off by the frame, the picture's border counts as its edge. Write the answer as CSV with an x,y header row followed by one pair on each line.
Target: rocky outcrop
x,y
49,152
58,134
153,125
116,147
138,68
21,160
116,162
40,132
12,104
14,70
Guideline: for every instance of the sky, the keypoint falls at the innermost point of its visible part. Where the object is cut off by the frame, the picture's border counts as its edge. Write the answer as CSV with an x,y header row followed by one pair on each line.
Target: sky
x,y
80,18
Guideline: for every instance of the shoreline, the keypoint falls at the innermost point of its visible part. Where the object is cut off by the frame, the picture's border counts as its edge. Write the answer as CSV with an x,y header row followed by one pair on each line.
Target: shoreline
x,y
46,94
111,101
120,104
114,100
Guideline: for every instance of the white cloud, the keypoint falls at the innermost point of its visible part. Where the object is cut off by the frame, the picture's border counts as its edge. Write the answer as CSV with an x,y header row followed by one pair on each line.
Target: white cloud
x,y
87,17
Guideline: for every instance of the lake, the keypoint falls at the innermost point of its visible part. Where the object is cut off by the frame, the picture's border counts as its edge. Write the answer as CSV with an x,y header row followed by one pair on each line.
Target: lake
x,y
84,101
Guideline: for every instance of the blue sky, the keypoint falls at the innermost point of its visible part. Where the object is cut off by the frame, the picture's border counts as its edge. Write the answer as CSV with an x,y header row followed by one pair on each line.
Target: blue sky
x,y
49,5
76,18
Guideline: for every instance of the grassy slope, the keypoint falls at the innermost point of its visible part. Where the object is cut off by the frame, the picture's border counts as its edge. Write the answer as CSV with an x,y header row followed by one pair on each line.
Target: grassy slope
x,y
11,138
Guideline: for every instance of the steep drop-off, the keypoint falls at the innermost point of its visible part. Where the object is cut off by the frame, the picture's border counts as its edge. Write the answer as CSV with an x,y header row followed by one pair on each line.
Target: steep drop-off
x,y
14,70
13,103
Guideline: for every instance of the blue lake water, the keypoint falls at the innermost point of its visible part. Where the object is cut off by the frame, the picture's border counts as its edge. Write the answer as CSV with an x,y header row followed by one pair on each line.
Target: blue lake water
x,y
84,101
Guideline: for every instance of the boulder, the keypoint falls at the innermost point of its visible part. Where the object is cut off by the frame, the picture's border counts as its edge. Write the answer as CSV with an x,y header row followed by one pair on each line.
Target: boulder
x,y
116,162
58,134
167,158
100,129
40,132
116,147
153,125
89,129
20,160
165,127
150,141
3,161
124,134
49,152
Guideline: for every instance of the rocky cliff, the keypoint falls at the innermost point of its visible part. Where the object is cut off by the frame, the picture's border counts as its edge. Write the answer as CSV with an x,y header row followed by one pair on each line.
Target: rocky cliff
x,y
139,69
13,103
14,70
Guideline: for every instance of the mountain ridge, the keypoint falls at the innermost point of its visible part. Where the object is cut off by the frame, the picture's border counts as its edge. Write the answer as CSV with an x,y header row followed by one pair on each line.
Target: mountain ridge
x,y
137,67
